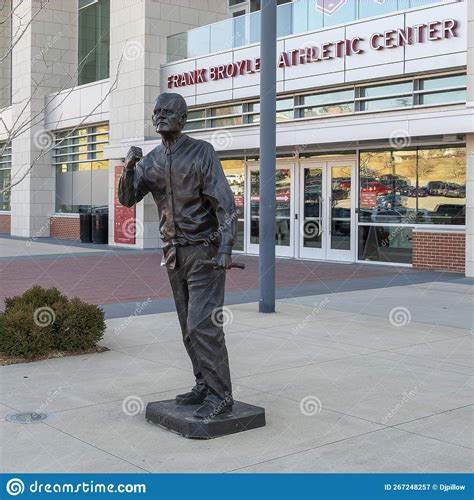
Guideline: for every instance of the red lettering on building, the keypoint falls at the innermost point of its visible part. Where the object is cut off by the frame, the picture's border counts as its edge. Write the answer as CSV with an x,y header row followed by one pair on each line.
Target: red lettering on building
x,y
390,39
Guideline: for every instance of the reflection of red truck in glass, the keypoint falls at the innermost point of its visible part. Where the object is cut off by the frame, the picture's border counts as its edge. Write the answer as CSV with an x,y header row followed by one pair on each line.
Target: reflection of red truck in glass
x,y
375,187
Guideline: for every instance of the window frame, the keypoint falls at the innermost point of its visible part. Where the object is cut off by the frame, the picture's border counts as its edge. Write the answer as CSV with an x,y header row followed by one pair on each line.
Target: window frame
x,y
356,102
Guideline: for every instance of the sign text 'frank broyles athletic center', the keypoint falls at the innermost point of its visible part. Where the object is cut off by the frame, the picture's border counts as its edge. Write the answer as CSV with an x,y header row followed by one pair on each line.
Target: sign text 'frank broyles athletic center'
x,y
420,33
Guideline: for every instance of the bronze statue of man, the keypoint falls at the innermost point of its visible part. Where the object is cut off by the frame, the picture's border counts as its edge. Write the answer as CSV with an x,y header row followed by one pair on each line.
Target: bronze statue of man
x,y
197,222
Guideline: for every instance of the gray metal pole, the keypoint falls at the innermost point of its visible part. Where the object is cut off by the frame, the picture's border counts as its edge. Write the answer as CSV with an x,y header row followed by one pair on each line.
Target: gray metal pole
x,y
267,155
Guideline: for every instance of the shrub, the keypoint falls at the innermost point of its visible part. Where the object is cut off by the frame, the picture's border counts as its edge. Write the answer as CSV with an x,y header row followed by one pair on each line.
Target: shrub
x,y
82,326
36,297
43,320
21,336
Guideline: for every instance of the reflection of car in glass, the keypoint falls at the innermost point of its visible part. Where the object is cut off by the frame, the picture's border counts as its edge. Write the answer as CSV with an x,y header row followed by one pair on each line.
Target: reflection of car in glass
x,y
374,187
436,188
235,179
449,214
396,214
341,219
391,200
455,191
311,208
339,194
312,190
395,182
421,192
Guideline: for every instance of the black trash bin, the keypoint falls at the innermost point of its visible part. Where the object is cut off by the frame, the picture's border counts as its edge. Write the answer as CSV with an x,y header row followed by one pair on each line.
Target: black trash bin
x,y
100,226
85,225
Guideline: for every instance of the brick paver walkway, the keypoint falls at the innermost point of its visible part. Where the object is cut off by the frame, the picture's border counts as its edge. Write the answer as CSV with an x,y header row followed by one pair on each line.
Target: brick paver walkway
x,y
112,278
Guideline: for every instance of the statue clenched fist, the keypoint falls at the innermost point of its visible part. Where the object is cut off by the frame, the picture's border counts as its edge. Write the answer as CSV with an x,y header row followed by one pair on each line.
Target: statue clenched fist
x,y
134,155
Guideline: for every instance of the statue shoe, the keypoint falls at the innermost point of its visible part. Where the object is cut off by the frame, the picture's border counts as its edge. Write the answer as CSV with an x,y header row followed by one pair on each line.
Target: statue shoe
x,y
196,396
213,406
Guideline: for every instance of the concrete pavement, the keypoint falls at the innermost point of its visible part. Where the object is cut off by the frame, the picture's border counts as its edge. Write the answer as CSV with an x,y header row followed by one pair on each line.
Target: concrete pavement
x,y
372,380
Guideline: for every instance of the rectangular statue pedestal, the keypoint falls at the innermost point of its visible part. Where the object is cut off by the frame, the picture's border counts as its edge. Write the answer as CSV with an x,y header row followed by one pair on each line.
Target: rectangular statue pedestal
x,y
179,418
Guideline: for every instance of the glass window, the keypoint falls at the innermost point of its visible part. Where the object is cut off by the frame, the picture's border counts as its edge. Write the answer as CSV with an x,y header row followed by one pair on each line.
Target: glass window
x,y
195,125
5,53
254,106
284,103
5,176
227,122
177,46
234,170
94,41
385,244
81,179
285,110
376,94
227,110
381,104
435,98
386,178
196,119
300,17
283,206
328,97
221,35
337,12
389,89
369,8
240,29
284,116
444,82
254,27
441,186
315,17
423,186
330,109
420,3
429,98
285,20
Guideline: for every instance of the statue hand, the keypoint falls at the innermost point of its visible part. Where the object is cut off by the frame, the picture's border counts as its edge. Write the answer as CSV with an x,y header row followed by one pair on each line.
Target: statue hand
x,y
134,155
224,261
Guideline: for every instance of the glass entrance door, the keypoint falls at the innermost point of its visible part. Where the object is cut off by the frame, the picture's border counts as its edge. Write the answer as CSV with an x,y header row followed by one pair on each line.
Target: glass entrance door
x,y
327,208
284,230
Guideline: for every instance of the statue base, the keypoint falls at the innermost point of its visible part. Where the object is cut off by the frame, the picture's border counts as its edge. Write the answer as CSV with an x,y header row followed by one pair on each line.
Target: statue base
x,y
179,419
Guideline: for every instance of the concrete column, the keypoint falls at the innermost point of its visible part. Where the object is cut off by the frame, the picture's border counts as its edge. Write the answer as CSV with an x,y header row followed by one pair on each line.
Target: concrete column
x,y
44,61
138,38
5,55
470,146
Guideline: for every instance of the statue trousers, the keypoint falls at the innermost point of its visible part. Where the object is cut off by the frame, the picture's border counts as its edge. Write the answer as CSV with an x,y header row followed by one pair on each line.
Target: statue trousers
x,y
199,296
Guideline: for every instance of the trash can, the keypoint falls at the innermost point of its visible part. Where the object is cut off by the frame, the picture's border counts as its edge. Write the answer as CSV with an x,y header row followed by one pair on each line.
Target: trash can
x,y
100,225
85,225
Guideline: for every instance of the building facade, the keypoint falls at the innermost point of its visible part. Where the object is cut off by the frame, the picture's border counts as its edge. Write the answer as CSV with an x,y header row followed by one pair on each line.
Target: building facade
x,y
375,120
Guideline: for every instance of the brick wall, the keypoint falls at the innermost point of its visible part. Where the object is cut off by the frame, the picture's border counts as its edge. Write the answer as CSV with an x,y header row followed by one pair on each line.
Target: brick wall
x,y
66,228
5,221
439,251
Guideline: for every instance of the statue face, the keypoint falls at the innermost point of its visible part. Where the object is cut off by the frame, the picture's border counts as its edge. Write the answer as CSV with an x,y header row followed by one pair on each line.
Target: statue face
x,y
168,115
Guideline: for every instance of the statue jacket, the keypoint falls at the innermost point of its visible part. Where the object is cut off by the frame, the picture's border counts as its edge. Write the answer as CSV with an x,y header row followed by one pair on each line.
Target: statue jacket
x,y
195,202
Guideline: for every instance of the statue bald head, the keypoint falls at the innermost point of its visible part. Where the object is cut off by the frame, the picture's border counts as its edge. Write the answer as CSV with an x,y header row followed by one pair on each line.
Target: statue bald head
x,y
169,113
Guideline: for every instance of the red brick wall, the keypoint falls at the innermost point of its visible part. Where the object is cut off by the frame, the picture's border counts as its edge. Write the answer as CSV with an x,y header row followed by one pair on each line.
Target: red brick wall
x,y
439,251
5,221
66,228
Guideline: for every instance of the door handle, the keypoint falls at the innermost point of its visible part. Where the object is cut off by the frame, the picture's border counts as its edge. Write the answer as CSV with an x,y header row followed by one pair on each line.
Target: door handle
x,y
320,226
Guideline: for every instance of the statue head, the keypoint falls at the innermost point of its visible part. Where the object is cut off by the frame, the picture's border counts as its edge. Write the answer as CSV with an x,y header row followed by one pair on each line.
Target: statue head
x,y
169,113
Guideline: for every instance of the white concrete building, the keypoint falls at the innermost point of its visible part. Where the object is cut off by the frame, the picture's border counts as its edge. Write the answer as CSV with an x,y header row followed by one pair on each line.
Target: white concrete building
x,y
375,119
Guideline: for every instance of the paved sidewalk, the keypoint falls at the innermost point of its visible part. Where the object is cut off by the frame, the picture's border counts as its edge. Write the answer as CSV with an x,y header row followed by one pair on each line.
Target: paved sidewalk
x,y
371,380
120,278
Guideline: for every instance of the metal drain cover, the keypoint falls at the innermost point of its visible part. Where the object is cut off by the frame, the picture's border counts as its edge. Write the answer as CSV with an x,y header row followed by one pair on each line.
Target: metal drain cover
x,y
27,417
